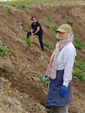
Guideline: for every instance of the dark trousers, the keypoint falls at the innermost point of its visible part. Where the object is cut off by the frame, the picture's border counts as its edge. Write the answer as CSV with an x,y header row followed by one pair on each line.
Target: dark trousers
x,y
60,109
40,37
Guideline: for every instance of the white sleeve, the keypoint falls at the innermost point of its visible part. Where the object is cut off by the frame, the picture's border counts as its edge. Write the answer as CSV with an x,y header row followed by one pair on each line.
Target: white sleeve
x,y
69,57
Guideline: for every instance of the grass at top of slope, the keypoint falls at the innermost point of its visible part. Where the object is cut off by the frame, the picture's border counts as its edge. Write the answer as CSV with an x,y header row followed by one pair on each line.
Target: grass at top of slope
x,y
36,1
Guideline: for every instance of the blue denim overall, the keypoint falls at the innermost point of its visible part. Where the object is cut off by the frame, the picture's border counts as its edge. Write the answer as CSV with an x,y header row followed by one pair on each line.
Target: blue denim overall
x,y
53,97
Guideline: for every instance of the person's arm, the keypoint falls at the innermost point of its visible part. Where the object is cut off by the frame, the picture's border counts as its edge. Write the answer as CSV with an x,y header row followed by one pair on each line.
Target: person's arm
x,y
38,28
69,57
31,30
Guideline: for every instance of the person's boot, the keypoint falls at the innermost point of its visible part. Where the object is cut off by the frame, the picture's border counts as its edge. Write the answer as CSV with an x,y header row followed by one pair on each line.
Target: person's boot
x,y
28,35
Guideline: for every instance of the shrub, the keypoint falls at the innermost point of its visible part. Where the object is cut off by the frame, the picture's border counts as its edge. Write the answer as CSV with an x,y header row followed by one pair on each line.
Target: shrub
x,y
50,46
78,47
8,9
47,26
4,51
49,19
41,5
79,75
28,41
13,5
13,23
77,57
21,6
78,41
30,8
78,44
69,22
27,30
54,28
80,65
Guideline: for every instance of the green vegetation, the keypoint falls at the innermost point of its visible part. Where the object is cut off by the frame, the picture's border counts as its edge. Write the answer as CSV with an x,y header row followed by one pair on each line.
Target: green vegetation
x,y
78,41
22,38
77,57
50,46
83,52
41,79
47,26
13,23
78,47
1,6
13,76
79,75
36,1
49,19
8,10
42,1
69,22
31,8
14,5
54,28
4,51
49,111
51,10
21,6
78,44
55,37
80,66
28,41
80,70
27,30
41,5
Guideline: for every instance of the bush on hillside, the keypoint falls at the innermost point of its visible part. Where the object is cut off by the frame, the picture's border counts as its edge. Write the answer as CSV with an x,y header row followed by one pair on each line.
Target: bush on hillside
x,y
8,10
4,51
50,46
69,22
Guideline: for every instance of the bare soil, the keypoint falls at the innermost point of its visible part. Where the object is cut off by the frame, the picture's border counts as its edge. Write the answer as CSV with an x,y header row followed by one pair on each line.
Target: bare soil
x,y
27,94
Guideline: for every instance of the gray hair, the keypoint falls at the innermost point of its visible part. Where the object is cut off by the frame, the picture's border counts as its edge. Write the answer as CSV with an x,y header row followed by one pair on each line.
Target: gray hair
x,y
70,36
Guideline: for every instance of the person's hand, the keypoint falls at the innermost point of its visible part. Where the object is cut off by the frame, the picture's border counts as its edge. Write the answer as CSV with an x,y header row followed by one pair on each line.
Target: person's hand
x,y
63,91
32,34
45,78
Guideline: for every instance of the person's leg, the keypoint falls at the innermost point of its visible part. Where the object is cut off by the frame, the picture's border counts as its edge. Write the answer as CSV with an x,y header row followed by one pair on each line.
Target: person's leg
x,y
28,34
60,109
54,109
41,42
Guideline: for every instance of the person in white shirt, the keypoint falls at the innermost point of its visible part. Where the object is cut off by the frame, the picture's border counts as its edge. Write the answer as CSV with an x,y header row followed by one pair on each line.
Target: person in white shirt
x,y
59,71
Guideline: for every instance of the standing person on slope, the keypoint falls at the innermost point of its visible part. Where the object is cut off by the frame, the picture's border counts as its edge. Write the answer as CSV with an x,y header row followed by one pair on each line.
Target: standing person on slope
x,y
36,29
59,71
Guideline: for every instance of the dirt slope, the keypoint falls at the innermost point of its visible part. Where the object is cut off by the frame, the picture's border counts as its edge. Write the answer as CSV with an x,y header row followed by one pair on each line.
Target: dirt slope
x,y
27,94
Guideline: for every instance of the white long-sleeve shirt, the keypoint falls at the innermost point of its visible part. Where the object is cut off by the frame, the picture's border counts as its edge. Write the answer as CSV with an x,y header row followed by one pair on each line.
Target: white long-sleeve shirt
x,y
65,61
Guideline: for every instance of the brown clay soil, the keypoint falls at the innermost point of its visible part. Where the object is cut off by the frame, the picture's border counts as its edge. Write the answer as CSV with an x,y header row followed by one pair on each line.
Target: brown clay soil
x,y
27,94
